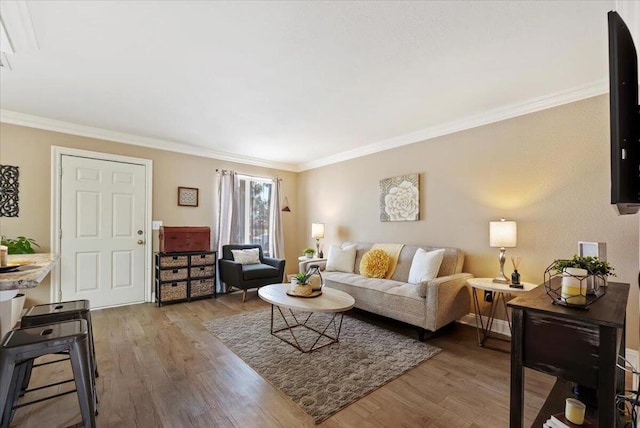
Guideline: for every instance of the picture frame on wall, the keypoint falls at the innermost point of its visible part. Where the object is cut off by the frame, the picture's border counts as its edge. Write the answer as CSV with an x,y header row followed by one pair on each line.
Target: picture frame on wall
x,y
188,196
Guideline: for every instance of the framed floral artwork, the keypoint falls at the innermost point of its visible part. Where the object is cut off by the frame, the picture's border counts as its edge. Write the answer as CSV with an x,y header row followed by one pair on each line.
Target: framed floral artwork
x,y
400,198
187,196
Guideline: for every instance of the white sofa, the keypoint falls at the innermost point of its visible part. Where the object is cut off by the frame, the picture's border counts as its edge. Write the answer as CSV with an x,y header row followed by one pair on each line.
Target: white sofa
x,y
429,305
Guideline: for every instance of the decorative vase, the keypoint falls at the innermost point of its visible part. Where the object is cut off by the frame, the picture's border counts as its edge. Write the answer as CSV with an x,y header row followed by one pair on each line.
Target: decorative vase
x,y
315,277
574,291
303,289
308,255
515,278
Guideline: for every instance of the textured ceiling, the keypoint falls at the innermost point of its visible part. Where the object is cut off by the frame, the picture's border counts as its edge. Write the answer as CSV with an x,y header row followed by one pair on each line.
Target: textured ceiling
x,y
297,82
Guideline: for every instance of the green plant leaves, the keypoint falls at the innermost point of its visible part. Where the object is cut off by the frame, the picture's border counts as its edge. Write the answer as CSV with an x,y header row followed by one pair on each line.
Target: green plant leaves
x,y
20,245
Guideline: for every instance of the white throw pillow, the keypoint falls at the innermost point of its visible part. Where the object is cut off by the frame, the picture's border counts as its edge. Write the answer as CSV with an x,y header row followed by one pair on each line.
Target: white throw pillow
x,y
341,259
425,265
250,256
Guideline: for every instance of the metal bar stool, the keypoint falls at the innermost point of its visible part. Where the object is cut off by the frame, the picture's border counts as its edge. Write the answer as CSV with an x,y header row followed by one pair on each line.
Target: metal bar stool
x,y
51,313
22,345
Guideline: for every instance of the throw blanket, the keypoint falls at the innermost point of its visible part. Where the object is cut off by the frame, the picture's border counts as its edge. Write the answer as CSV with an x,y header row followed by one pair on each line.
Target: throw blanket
x,y
393,250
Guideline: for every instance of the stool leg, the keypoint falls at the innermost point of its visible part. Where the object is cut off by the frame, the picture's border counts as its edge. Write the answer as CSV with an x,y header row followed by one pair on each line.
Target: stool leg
x,y
7,376
82,368
27,376
14,393
92,344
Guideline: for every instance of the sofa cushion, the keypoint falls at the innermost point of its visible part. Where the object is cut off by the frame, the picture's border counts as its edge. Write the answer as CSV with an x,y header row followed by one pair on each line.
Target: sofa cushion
x,y
375,263
341,259
250,256
257,271
425,265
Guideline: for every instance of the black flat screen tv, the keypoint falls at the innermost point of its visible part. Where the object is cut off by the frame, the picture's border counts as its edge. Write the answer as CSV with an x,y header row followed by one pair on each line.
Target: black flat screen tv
x,y
625,117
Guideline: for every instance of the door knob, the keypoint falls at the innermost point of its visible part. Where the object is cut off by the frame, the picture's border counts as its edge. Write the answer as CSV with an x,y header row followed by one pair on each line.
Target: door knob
x,y
140,242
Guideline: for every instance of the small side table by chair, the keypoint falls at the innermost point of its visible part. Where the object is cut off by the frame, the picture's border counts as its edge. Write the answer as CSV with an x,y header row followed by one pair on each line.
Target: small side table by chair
x,y
499,292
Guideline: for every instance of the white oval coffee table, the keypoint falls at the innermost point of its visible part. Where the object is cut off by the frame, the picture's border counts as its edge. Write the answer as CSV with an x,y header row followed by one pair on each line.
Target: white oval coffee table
x,y
331,301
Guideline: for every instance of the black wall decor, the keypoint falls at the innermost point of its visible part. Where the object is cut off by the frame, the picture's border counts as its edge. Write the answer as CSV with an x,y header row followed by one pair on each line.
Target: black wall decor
x,y
9,191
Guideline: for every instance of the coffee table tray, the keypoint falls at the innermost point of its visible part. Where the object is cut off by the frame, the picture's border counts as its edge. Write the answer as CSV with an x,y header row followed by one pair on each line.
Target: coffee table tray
x,y
313,294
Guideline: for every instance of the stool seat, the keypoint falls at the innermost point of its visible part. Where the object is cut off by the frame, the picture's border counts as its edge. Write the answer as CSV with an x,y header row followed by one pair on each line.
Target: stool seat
x,y
49,311
18,349
54,334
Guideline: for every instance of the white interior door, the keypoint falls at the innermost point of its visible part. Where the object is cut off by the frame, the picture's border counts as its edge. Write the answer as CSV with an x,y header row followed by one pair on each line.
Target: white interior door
x,y
102,241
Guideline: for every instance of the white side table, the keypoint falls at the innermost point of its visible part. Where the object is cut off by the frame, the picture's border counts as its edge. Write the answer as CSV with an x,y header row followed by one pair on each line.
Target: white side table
x,y
498,292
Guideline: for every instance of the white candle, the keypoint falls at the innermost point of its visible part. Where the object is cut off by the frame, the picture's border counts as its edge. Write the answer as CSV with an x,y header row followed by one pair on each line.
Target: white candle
x,y
574,411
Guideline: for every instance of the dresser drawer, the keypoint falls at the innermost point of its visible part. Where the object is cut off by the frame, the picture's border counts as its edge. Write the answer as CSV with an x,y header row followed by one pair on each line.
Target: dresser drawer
x,y
173,261
202,287
201,271
203,259
173,291
174,274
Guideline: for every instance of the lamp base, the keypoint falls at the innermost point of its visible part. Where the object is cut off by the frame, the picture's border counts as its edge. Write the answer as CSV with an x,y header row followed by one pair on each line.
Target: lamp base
x,y
499,280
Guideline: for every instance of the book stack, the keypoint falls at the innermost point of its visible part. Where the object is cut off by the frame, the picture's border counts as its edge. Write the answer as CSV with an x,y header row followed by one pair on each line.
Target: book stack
x,y
558,420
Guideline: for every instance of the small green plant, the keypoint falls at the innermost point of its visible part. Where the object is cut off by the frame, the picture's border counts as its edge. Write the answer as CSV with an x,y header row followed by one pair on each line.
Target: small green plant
x,y
302,278
20,245
308,250
593,265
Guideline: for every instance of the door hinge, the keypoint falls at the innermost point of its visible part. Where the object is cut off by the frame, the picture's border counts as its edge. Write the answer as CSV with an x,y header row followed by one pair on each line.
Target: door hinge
x,y
60,234
60,172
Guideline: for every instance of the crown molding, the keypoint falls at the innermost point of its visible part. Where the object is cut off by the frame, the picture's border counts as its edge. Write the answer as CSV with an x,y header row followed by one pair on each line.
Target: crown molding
x,y
16,18
32,121
492,116
508,112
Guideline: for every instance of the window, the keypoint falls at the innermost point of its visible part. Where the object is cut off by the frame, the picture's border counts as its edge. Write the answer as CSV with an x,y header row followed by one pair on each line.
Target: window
x,y
255,210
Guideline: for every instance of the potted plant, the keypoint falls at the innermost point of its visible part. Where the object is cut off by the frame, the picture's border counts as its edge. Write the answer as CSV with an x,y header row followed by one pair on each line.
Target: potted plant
x,y
308,252
576,270
303,279
20,245
592,265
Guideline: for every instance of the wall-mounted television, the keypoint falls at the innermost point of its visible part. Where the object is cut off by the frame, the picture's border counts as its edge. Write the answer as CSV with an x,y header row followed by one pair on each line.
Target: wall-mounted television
x,y
625,117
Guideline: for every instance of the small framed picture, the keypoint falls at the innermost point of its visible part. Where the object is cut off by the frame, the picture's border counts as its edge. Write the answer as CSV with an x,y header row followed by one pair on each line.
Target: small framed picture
x,y
593,249
187,196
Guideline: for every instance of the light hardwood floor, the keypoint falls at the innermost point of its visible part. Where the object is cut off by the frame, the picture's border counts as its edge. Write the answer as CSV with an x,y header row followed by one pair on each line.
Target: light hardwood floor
x,y
159,367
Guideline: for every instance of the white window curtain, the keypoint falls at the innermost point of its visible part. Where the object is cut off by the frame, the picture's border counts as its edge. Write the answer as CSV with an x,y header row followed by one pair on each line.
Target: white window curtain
x,y
276,234
227,203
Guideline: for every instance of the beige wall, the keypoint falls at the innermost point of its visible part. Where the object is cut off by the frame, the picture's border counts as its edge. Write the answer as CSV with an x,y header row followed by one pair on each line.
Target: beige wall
x,y
30,149
548,170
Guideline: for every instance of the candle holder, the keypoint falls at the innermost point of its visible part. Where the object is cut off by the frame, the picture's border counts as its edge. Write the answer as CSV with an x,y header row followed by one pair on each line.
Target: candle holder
x,y
573,289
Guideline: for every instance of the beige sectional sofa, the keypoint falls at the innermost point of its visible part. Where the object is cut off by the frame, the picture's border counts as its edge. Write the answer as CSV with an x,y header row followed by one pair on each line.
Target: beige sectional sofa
x,y
429,305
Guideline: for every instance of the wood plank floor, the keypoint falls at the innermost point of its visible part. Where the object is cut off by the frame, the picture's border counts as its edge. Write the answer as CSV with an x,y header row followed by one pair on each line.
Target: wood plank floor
x,y
160,368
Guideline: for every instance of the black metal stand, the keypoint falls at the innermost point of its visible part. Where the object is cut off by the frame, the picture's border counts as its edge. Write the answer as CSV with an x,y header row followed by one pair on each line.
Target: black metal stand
x,y
290,327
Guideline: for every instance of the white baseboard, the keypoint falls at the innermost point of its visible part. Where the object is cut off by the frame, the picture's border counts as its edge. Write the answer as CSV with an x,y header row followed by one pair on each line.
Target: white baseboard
x,y
502,327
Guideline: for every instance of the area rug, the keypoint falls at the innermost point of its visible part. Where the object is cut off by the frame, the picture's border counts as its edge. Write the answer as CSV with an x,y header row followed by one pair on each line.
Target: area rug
x,y
328,379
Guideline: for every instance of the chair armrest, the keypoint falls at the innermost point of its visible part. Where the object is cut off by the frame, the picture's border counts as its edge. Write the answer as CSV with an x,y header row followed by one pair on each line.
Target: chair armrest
x,y
276,263
303,266
230,271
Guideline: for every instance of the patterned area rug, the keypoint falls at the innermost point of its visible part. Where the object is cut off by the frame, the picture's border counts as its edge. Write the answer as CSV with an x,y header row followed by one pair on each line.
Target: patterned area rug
x,y
328,379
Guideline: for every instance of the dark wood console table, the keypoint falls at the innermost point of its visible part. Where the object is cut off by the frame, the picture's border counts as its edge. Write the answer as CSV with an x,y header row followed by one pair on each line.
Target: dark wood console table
x,y
574,345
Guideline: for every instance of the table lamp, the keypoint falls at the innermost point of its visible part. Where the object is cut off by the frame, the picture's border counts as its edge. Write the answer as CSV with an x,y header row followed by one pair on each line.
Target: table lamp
x,y
317,232
502,234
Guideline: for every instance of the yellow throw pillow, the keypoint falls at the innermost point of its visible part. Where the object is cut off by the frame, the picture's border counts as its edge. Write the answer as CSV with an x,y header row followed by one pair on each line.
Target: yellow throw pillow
x,y
374,264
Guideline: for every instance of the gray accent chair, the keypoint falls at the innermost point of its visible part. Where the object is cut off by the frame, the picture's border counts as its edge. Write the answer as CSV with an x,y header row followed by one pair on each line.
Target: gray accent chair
x,y
233,274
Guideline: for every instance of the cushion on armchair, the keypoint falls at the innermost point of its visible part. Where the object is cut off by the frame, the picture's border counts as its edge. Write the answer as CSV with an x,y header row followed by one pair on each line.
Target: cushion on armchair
x,y
255,271
249,256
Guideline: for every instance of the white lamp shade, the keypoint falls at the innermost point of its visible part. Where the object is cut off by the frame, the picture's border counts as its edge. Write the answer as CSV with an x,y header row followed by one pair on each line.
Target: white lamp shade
x,y
503,234
317,230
